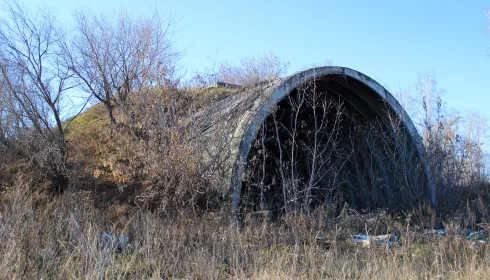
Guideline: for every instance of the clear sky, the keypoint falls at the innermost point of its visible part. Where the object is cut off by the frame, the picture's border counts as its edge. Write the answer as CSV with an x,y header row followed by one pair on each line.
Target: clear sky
x,y
391,41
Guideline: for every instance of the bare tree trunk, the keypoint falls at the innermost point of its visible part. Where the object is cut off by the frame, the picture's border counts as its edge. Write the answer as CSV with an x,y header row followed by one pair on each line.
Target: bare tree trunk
x,y
281,166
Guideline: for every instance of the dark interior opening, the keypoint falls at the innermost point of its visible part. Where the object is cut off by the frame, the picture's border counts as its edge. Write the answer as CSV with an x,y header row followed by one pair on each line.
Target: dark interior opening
x,y
332,141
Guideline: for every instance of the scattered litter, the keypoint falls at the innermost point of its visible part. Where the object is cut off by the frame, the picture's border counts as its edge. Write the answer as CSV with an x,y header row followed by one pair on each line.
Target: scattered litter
x,y
386,239
478,244
476,239
438,232
380,240
477,236
360,237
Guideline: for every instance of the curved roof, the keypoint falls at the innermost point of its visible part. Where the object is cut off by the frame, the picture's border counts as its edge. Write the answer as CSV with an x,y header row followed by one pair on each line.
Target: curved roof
x,y
243,114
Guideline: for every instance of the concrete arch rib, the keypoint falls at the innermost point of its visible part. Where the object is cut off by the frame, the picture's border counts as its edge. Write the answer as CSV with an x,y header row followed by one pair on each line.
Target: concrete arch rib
x,y
249,125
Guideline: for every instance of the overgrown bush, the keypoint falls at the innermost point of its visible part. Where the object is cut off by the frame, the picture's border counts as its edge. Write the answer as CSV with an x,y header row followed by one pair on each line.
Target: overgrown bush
x,y
156,148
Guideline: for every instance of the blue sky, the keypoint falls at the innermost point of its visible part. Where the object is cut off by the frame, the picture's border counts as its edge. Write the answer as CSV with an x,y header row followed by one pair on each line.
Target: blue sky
x,y
391,41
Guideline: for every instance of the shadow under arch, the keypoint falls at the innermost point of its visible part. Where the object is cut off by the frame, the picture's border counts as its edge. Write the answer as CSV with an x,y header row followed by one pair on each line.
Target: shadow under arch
x,y
367,96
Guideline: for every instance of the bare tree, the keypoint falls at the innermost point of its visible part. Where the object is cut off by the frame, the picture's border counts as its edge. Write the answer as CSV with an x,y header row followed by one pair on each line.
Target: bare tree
x,y
471,148
34,82
455,143
113,58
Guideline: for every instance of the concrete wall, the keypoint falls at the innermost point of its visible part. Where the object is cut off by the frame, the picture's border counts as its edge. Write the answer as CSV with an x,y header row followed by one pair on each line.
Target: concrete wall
x,y
235,121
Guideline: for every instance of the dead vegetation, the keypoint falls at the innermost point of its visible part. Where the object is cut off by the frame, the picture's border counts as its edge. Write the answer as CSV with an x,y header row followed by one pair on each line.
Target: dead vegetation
x,y
145,180
138,165
65,240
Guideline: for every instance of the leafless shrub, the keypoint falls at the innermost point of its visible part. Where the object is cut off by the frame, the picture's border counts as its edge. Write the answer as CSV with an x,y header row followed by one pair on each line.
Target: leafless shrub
x,y
159,149
252,71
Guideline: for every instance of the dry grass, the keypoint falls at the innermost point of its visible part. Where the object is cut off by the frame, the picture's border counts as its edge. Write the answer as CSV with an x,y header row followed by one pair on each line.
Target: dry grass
x,y
63,240
61,237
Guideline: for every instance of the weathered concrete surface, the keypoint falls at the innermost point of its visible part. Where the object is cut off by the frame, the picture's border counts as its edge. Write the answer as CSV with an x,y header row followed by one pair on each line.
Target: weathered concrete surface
x,y
232,124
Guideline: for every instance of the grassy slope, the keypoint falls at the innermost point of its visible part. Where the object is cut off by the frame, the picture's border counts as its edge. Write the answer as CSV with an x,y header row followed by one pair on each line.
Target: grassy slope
x,y
85,133
89,135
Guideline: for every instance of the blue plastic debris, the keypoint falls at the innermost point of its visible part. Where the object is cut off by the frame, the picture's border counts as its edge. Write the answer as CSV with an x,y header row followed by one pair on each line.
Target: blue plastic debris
x,y
364,240
360,237
119,242
441,231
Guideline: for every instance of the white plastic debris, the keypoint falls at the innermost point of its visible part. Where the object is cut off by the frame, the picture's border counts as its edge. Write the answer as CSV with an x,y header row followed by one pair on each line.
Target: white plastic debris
x,y
438,232
381,240
478,244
